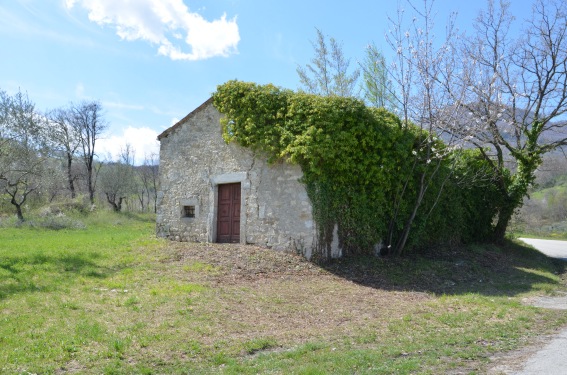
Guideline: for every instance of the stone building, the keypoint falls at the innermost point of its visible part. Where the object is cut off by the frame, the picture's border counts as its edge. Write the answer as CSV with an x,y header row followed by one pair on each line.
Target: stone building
x,y
217,192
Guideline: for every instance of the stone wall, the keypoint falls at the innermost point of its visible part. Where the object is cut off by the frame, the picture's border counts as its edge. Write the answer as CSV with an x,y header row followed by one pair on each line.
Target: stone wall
x,y
194,160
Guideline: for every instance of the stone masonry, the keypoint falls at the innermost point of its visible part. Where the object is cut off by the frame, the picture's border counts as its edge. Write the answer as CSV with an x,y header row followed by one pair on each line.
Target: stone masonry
x,y
194,160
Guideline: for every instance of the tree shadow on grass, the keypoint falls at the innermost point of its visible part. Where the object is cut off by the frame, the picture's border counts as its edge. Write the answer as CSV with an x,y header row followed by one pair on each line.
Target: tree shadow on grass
x,y
43,273
490,270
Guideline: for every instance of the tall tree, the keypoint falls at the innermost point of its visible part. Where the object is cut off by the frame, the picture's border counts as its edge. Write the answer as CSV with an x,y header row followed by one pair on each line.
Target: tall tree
x,y
66,139
517,92
420,67
328,74
5,132
376,82
22,149
88,122
148,174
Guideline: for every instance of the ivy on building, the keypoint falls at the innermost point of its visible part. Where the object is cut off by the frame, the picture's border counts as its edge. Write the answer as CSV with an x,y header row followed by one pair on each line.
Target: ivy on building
x,y
355,159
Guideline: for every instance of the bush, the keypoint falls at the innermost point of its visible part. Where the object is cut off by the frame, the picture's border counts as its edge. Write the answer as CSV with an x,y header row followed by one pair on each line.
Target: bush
x,y
74,206
467,207
55,216
56,222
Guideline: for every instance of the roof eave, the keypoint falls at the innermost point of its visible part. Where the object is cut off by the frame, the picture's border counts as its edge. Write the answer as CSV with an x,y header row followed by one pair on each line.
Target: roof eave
x,y
172,128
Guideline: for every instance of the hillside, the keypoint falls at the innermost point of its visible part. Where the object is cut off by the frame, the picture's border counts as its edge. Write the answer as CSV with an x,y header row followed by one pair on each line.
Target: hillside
x,y
544,213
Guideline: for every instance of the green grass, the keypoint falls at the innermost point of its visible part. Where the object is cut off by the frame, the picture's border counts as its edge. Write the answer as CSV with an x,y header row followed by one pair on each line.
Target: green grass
x,y
542,215
544,233
109,298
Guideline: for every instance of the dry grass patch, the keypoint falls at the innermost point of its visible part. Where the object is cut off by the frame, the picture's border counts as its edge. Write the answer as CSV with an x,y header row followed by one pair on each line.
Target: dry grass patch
x,y
255,291
388,306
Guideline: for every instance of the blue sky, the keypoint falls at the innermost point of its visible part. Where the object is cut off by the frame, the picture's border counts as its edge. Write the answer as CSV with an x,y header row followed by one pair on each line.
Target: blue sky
x,y
150,62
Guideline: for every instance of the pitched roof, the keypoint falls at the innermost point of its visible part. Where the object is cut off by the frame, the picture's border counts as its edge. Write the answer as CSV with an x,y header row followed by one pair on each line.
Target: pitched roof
x,y
169,130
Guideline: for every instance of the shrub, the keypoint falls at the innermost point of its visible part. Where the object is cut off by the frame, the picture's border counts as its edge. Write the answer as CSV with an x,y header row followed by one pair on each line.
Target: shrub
x,y
70,206
57,222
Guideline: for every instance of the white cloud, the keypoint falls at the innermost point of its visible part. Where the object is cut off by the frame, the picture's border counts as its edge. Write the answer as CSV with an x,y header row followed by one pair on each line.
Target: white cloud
x,y
120,105
163,22
142,140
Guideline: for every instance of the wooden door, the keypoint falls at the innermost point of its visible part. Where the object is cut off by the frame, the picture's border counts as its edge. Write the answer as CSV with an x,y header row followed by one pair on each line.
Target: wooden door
x,y
228,213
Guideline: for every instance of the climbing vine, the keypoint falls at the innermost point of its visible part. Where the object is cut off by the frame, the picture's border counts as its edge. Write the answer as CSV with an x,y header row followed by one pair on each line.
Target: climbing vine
x,y
348,153
354,158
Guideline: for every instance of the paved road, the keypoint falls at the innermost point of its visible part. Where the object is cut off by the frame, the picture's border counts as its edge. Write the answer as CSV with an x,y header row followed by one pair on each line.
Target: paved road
x,y
551,359
551,248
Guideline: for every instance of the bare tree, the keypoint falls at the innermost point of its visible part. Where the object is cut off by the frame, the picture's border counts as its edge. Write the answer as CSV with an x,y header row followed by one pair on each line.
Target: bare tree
x,y
148,175
54,180
516,94
66,138
5,131
118,180
142,189
88,122
421,73
328,75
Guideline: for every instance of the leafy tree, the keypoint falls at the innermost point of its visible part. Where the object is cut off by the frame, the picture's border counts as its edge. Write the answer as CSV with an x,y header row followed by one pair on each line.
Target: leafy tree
x,y
22,149
376,85
328,74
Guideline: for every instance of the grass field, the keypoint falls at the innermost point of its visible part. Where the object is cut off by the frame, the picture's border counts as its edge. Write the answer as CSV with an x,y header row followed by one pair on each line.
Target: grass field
x,y
109,298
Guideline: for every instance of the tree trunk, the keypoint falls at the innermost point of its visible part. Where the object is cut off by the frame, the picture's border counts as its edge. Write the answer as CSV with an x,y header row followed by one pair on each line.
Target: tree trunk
x,y
500,229
19,213
91,189
18,208
515,193
401,243
141,196
90,182
111,198
70,175
504,217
